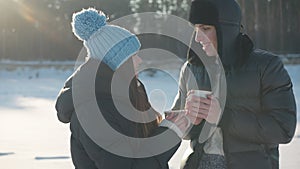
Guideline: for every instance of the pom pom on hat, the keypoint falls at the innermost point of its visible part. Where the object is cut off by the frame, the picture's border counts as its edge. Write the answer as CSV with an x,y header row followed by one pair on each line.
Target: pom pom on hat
x,y
86,22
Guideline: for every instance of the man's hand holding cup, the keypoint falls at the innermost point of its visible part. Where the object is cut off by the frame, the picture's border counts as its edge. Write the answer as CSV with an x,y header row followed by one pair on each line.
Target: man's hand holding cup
x,y
201,104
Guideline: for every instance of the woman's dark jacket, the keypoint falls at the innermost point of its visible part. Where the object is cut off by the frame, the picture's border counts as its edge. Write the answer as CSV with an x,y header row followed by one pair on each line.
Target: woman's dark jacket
x,y
260,110
87,154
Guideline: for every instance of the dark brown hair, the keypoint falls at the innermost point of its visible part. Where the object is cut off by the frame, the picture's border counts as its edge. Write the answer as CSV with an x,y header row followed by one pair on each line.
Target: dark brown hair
x,y
140,101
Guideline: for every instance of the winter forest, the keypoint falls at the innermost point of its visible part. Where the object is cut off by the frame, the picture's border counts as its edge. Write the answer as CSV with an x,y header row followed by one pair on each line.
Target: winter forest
x,y
38,52
41,30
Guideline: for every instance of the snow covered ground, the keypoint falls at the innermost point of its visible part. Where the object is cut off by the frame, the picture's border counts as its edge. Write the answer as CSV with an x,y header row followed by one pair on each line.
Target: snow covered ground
x,y
32,138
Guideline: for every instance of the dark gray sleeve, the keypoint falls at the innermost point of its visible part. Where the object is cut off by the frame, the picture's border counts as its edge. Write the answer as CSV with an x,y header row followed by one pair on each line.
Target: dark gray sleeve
x,y
64,102
277,122
159,161
156,162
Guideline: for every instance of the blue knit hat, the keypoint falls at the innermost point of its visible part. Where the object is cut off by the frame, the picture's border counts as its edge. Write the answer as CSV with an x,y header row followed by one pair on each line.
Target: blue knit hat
x,y
110,43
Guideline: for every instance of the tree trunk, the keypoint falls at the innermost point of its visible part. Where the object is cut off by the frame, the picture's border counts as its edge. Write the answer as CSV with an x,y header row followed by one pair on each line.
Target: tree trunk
x,y
256,22
244,21
281,25
269,27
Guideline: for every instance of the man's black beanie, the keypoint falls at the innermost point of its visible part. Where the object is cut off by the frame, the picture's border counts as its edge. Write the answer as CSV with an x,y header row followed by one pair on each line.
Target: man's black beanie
x,y
203,12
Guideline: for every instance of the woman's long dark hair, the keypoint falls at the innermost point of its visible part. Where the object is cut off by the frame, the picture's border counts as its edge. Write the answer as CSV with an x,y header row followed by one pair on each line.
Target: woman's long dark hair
x,y
138,98
140,101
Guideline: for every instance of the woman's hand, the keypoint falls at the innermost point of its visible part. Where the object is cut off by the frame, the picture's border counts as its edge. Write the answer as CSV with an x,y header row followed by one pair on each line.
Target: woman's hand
x,y
177,121
179,118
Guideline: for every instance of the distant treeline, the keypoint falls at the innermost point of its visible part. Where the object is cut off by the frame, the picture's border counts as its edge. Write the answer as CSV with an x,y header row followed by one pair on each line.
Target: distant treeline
x,y
41,30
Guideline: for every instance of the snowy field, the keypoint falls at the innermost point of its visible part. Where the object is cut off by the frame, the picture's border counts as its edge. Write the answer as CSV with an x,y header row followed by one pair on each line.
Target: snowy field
x,y
32,137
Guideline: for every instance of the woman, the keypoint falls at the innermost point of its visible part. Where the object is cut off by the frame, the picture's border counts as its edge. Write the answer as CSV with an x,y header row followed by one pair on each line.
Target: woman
x,y
112,54
260,111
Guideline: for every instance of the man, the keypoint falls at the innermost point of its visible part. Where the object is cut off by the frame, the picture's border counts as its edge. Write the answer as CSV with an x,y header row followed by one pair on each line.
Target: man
x,y
260,110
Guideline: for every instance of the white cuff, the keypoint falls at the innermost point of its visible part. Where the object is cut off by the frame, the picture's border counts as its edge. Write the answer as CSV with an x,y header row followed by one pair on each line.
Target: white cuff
x,y
172,126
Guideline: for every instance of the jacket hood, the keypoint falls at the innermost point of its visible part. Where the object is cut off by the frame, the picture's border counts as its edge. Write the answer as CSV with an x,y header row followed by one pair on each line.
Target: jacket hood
x,y
225,15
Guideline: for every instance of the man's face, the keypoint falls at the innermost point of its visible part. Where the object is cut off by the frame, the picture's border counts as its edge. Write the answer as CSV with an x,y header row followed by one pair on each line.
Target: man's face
x,y
206,35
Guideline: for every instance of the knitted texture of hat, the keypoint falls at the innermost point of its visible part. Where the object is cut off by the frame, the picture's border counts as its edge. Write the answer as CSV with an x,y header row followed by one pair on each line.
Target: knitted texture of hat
x,y
109,43
86,22
121,51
